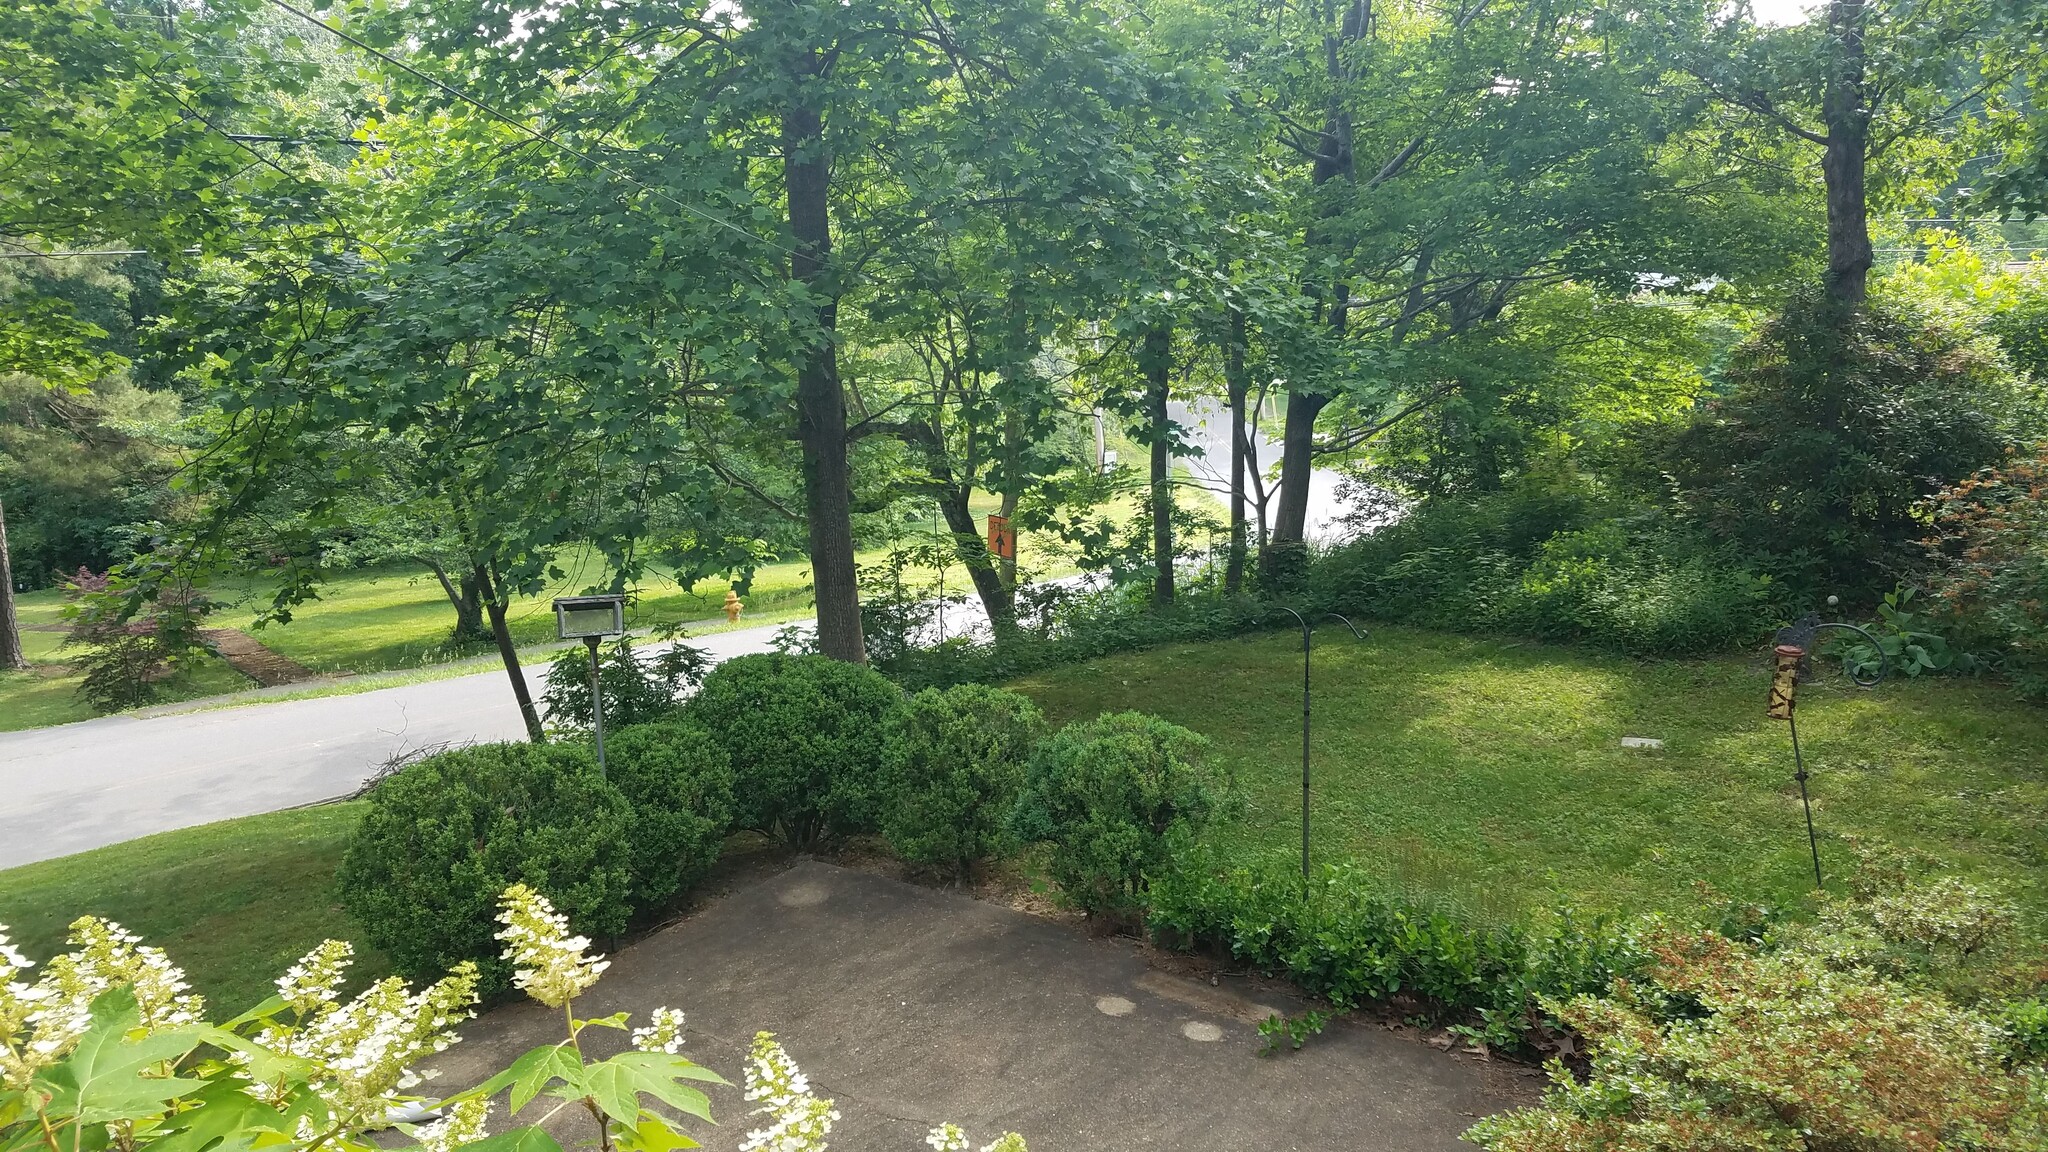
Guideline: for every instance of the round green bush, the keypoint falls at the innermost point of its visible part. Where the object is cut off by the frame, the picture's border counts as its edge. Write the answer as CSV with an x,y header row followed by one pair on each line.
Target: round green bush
x,y
956,759
679,783
443,838
805,735
1114,797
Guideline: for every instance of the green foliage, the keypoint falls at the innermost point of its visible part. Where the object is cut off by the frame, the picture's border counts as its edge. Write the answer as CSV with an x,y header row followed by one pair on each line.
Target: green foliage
x,y
130,634
679,783
1345,937
806,736
442,838
956,760
637,689
1546,558
1904,645
1060,625
1113,797
1291,1031
1834,432
1774,1049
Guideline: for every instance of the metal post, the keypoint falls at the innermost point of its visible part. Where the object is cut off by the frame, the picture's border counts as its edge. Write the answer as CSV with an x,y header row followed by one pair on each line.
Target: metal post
x,y
596,704
1307,632
1799,774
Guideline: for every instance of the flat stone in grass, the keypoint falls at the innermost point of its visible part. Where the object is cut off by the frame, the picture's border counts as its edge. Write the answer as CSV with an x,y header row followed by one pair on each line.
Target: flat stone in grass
x,y
912,1007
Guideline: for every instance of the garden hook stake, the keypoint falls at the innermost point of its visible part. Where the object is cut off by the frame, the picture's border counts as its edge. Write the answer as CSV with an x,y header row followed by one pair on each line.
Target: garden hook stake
x,y
1788,658
1307,634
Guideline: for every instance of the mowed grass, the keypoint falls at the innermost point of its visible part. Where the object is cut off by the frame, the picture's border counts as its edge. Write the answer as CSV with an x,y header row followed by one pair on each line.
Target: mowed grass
x,y
1490,772
233,903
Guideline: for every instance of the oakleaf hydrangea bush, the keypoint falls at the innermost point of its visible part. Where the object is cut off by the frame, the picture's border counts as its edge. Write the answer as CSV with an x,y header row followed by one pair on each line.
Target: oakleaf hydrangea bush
x,y
108,1051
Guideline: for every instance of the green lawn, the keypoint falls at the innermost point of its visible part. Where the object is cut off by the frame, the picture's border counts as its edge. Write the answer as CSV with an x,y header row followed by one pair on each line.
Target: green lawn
x,y
234,903
1490,772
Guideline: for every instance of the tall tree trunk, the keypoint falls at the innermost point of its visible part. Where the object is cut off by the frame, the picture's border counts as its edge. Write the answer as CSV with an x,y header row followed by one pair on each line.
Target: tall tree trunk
x,y
11,657
1283,560
1845,109
980,563
821,403
1238,384
1158,366
494,603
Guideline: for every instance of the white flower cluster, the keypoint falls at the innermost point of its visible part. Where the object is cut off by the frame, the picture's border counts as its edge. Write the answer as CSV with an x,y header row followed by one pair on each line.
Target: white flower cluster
x,y
799,1121
548,963
364,1049
949,1138
463,1123
40,1022
664,1032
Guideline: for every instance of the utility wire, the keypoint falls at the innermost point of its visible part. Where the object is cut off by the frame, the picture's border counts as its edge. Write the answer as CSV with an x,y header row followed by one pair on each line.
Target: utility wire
x,y
542,137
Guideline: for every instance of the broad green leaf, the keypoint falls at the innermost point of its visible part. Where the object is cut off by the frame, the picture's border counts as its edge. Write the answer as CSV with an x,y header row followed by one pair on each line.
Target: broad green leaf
x,y
226,1119
106,1077
653,1134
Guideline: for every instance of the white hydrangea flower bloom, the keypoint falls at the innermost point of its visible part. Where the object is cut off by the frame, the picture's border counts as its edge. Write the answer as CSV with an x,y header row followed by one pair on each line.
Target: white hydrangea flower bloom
x,y
312,983
799,1121
464,1123
548,963
947,1138
40,1022
664,1032
1007,1142
366,1047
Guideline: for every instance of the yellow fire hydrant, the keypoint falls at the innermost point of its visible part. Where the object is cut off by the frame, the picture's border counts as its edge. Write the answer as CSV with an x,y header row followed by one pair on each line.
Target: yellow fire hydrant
x,y
733,606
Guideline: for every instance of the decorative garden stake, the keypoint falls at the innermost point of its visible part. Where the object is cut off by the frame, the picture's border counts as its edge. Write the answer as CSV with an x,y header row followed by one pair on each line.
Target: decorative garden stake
x,y
1788,662
591,619
1306,632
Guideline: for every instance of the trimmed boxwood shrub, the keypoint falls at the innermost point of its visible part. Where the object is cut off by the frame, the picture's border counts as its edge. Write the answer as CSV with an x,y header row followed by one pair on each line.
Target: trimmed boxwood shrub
x,y
956,758
679,782
1114,797
805,735
443,838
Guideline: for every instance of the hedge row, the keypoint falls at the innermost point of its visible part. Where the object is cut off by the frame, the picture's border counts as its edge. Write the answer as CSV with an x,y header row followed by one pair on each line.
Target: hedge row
x,y
799,748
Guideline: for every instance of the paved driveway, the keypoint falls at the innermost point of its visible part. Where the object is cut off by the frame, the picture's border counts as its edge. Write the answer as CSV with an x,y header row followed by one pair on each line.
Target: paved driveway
x,y
911,1007
78,786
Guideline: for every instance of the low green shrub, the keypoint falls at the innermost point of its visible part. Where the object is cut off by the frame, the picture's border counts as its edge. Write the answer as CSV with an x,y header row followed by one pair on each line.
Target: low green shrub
x,y
1345,937
1060,625
1114,797
956,760
805,737
444,837
638,689
680,785
1532,561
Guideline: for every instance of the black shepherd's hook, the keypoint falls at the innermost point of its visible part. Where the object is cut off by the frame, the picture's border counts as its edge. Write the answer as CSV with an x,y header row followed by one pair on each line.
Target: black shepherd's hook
x,y
1794,645
1307,632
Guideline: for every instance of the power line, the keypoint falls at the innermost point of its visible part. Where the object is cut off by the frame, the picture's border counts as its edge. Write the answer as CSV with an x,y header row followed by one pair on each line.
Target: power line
x,y
535,134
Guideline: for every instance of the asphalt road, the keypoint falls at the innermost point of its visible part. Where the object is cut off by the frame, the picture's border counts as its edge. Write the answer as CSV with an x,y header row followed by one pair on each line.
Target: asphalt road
x,y
78,786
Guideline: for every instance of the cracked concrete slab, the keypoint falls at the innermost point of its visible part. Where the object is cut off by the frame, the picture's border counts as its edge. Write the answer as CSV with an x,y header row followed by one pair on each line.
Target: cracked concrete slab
x,y
912,1007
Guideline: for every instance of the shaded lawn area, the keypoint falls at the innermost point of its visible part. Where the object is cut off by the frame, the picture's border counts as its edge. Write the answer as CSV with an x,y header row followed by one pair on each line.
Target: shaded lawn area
x,y
234,903
1490,772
